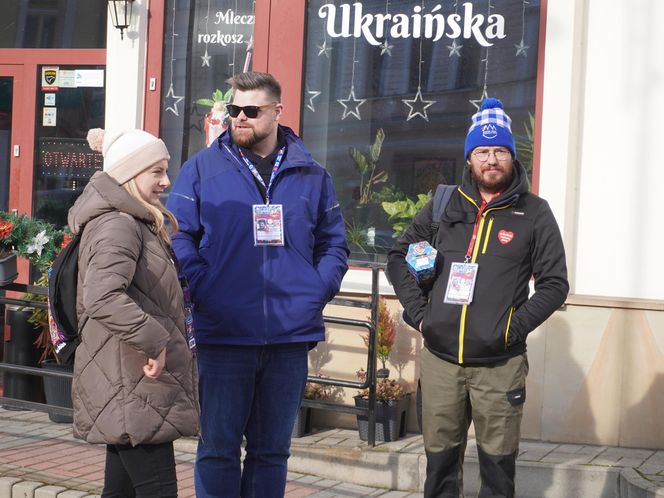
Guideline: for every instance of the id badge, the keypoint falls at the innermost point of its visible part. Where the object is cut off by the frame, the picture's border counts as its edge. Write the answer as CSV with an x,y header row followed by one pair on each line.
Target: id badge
x,y
461,283
268,224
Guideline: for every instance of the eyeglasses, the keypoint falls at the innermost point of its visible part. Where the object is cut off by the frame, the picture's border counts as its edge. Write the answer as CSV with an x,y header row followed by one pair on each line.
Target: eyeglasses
x,y
251,111
499,154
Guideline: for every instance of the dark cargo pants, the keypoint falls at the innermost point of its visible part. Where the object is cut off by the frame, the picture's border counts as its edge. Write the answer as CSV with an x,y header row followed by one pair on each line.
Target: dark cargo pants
x,y
492,398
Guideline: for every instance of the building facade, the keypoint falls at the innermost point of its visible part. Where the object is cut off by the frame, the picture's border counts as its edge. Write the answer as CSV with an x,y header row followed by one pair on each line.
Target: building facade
x,y
580,79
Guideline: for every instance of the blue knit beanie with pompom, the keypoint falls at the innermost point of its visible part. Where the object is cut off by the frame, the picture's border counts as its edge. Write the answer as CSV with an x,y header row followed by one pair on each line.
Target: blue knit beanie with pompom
x,y
491,127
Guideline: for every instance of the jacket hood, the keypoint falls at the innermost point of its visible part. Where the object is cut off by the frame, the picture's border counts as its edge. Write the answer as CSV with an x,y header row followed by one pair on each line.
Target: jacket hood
x,y
296,153
518,186
102,195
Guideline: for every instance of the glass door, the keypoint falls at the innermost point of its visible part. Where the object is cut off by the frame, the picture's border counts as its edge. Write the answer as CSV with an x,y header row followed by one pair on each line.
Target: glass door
x,y
69,102
14,134
6,92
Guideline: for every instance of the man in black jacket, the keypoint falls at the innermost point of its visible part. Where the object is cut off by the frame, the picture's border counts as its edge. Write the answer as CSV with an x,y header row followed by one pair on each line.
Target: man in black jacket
x,y
493,236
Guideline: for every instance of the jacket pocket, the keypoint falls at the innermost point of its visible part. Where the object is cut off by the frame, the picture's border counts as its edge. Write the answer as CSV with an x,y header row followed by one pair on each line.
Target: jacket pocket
x,y
422,325
517,396
507,328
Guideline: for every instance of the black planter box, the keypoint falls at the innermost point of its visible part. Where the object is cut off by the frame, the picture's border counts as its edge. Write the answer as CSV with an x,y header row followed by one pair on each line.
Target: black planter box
x,y
8,271
58,390
302,425
391,419
20,350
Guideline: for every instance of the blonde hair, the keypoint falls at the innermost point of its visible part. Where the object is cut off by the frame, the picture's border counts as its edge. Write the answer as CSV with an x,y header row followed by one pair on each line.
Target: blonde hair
x,y
158,212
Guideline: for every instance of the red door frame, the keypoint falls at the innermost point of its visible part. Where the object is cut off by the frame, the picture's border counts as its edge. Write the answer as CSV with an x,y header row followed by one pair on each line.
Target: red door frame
x,y
279,49
152,111
20,124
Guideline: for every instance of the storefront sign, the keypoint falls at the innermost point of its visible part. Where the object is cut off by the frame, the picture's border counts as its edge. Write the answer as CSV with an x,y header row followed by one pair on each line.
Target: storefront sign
x,y
416,24
228,18
68,157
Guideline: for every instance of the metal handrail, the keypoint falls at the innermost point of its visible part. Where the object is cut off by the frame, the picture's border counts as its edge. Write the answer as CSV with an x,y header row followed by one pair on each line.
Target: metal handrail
x,y
39,372
37,290
369,383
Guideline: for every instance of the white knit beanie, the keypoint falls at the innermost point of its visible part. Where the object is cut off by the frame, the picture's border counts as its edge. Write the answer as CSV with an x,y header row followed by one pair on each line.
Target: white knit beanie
x,y
127,153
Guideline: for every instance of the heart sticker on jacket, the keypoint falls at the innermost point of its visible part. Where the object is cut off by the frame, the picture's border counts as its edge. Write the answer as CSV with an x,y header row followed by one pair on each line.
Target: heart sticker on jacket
x,y
505,237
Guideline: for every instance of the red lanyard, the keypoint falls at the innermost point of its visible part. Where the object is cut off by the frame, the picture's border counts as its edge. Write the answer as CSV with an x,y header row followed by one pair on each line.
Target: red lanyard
x,y
476,229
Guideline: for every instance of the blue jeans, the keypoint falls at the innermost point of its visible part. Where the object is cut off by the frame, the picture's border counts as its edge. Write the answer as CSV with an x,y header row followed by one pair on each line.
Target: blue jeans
x,y
251,391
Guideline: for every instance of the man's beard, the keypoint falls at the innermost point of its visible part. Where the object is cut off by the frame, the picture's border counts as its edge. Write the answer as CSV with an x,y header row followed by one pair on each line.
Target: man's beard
x,y
247,140
491,187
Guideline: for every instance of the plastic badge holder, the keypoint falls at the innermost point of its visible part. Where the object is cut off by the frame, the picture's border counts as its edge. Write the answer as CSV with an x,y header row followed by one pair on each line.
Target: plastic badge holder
x,y
421,259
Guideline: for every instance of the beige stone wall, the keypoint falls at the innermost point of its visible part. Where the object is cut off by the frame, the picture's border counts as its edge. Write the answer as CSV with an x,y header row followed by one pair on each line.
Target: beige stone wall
x,y
345,352
598,376
596,372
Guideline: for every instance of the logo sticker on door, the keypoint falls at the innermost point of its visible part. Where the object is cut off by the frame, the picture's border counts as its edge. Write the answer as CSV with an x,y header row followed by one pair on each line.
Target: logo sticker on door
x,y
505,237
49,81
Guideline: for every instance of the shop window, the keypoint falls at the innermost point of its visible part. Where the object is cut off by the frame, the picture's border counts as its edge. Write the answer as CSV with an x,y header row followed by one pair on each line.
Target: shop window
x,y
53,24
389,89
205,43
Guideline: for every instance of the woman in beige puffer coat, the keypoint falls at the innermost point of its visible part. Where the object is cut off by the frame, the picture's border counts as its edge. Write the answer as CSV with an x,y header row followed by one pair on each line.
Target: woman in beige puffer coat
x,y
135,379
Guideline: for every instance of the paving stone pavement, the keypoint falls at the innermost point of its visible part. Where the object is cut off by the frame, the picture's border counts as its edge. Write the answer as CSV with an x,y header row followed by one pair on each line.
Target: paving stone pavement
x,y
328,463
32,449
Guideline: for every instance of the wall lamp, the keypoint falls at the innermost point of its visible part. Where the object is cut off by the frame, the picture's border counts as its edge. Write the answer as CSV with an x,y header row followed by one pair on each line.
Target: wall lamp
x,y
120,11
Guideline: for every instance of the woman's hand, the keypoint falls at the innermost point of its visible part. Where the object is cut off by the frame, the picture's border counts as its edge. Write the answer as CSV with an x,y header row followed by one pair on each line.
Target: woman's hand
x,y
155,366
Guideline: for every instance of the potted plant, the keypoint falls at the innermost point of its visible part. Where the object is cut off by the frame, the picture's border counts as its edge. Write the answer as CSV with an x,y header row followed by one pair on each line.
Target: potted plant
x,y
316,391
366,164
392,400
30,345
392,403
357,237
364,213
215,122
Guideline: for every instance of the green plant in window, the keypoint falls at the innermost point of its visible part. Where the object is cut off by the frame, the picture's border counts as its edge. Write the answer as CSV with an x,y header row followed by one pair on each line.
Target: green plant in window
x,y
219,99
217,120
389,193
402,212
366,164
525,144
356,236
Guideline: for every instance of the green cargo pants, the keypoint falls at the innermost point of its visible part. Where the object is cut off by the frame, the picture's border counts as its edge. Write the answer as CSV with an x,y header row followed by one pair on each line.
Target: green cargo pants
x,y
492,397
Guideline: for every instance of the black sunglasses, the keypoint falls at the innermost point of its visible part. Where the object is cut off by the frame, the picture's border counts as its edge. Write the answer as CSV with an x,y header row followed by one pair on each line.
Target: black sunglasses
x,y
251,111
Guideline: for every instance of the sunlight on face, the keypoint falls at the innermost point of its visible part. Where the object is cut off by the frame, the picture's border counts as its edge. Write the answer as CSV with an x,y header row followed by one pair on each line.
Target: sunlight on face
x,y
153,181
250,132
491,168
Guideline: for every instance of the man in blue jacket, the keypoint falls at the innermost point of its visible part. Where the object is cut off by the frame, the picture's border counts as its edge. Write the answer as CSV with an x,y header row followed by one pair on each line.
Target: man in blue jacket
x,y
262,243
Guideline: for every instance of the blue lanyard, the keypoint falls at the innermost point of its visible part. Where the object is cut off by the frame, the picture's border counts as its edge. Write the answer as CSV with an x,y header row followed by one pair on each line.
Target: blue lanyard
x,y
275,168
